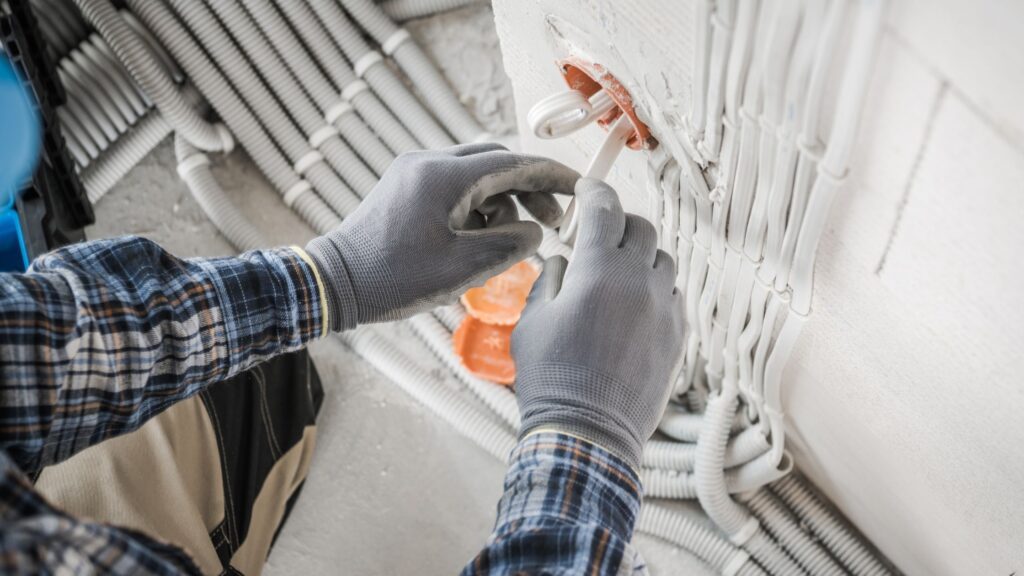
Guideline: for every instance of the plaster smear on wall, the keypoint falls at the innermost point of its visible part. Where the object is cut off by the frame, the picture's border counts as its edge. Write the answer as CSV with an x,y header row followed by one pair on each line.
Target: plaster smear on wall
x,y
902,390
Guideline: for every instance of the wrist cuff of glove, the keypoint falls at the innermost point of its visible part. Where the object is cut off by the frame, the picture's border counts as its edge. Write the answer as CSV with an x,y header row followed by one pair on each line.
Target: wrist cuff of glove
x,y
557,406
341,298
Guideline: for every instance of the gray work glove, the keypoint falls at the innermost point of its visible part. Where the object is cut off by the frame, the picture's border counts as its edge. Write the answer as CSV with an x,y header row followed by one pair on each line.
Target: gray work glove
x,y
437,223
596,350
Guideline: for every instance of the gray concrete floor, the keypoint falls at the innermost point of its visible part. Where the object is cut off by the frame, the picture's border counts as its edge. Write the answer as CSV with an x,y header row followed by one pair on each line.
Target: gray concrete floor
x,y
392,490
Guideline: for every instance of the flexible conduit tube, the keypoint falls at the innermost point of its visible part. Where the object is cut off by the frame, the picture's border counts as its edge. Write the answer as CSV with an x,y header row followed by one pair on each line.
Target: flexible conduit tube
x,y
87,89
830,531
370,66
397,43
132,51
110,77
703,543
306,161
425,388
97,50
61,25
680,456
402,10
680,424
786,530
100,176
352,89
215,88
194,169
342,115
713,491
288,90
498,398
732,518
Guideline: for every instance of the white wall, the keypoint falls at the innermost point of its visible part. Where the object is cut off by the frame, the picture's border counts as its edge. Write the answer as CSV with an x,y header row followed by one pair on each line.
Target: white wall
x,y
904,393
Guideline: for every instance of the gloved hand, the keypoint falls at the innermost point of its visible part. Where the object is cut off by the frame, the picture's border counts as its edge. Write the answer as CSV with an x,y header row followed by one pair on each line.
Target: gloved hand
x,y
596,350
437,223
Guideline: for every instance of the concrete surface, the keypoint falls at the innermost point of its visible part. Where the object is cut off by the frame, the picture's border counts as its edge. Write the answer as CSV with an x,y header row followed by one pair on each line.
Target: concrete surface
x,y
392,489
903,391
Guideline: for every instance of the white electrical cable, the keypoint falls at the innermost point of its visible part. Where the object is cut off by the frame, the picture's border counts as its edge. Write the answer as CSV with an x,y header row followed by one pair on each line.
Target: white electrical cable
x,y
563,113
431,392
699,92
833,166
599,167
775,63
787,156
722,25
439,339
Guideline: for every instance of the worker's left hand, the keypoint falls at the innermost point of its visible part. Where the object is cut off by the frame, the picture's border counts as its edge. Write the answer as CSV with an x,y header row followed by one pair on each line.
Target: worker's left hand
x,y
437,223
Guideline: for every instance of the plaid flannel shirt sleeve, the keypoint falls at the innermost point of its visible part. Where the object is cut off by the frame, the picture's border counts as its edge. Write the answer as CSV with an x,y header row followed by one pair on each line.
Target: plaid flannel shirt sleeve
x,y
97,338
569,508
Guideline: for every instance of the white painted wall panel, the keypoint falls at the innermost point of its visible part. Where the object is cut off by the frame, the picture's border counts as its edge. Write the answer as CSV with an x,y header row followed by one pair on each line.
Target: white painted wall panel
x,y
903,390
976,45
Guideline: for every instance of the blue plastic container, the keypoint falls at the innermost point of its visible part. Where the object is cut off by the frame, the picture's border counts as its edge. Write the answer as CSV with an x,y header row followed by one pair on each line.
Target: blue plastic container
x,y
19,150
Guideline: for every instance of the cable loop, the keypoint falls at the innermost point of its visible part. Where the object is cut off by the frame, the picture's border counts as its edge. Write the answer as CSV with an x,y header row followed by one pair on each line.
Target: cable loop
x,y
563,113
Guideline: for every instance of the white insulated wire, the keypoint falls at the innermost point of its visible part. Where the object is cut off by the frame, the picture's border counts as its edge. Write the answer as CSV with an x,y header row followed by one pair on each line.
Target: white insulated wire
x,y
563,113
600,166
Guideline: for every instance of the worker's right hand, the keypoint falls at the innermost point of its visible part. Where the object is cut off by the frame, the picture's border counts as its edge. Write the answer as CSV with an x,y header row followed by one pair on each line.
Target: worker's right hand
x,y
437,223
601,337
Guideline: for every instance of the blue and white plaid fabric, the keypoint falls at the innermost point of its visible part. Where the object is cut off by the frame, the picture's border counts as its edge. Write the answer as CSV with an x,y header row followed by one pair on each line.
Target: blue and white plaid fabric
x,y
99,337
569,508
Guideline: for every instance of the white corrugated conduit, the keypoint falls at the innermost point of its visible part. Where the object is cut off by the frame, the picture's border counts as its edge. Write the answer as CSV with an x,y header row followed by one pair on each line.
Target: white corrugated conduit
x,y
336,112
351,90
132,51
396,43
402,10
235,113
369,65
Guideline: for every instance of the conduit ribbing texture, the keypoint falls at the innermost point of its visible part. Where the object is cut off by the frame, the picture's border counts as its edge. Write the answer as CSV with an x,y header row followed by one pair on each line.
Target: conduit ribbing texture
x,y
282,117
